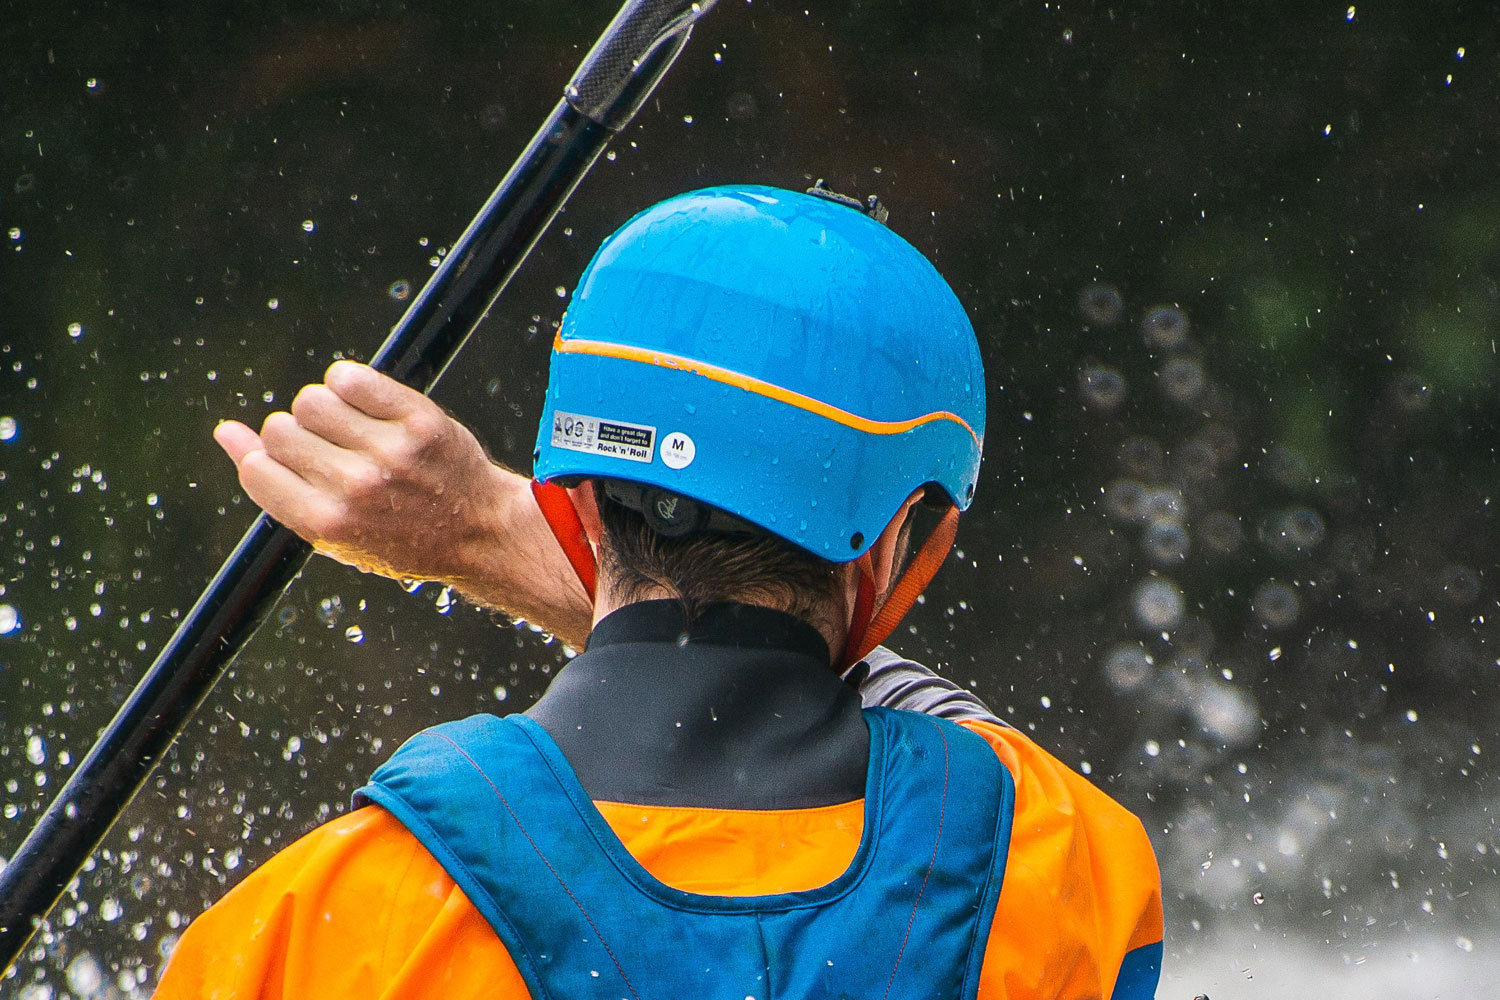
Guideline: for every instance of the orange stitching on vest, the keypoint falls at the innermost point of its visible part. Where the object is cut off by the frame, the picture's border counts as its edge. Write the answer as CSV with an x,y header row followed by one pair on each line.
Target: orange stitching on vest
x,y
527,834
942,811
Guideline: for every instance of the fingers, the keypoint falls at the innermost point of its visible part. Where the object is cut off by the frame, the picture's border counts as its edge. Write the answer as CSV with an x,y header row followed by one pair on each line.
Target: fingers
x,y
236,439
286,496
277,488
322,411
315,459
367,390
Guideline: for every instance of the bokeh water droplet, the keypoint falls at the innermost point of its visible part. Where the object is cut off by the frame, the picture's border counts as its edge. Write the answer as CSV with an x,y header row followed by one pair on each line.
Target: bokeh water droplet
x,y
330,610
85,976
1157,604
1103,389
1127,667
1101,304
1166,542
1164,328
1182,380
1275,605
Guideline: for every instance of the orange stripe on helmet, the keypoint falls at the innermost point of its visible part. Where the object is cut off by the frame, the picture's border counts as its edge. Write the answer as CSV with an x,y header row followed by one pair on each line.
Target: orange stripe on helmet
x,y
749,383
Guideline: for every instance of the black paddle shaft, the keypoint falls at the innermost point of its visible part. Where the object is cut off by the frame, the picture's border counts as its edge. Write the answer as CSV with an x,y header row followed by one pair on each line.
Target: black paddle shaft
x,y
608,88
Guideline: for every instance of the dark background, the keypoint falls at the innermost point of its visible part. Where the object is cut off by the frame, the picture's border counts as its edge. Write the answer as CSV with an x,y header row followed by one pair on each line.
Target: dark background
x,y
224,197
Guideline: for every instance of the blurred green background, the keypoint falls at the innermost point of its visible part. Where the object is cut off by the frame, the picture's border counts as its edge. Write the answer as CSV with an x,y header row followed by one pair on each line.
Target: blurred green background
x,y
1236,275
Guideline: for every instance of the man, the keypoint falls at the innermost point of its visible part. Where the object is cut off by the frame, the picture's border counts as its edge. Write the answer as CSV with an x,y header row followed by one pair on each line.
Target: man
x,y
750,396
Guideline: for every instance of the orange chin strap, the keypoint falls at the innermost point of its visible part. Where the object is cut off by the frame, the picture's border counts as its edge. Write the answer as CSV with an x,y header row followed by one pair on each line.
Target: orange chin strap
x,y
868,628
562,517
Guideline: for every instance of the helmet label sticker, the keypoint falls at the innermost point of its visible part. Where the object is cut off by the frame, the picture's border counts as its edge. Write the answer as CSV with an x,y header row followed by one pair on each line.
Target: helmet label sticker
x,y
615,438
678,450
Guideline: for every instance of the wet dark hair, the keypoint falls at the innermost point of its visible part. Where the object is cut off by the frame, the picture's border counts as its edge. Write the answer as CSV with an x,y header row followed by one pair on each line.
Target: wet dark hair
x,y
707,567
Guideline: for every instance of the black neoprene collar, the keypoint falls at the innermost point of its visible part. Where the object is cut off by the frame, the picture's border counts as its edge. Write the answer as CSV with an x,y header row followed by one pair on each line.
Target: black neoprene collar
x,y
744,626
738,709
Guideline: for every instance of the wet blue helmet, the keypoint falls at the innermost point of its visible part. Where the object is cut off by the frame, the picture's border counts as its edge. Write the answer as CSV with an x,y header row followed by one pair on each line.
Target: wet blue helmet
x,y
779,356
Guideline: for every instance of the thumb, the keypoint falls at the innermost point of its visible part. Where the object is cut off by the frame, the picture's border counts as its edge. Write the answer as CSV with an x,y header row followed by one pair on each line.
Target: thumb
x,y
237,440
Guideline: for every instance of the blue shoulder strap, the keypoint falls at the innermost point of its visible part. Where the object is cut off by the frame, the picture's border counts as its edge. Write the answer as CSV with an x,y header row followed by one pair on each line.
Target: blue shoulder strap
x,y
496,803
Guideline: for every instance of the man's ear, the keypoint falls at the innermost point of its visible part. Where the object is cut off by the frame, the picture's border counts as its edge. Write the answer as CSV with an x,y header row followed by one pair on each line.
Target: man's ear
x,y
582,496
886,551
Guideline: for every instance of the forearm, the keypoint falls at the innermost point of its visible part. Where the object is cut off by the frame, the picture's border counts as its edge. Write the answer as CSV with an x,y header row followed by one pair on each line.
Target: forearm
x,y
513,563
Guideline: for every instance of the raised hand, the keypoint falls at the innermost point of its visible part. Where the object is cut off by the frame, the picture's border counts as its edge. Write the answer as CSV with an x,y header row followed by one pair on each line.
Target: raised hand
x,y
377,475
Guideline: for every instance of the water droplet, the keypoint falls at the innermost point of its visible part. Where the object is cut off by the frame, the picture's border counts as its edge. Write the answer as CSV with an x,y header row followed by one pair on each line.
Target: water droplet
x,y
1463,943
85,977
400,290
1101,305
330,610
1164,328
294,744
354,633
1225,714
7,428
1102,388
1157,604
75,330
1164,505
1275,605
110,909
1165,542
1182,380
1219,532
445,601
36,750
1125,500
1293,532
10,619
273,304
308,225
1258,898
1127,667
1143,458
15,232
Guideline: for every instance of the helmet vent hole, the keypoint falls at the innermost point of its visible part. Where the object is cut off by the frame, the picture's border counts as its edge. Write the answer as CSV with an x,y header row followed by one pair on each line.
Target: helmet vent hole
x,y
856,540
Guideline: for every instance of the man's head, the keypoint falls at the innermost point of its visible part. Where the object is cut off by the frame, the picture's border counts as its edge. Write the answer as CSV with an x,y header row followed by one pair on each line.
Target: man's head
x,y
786,363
